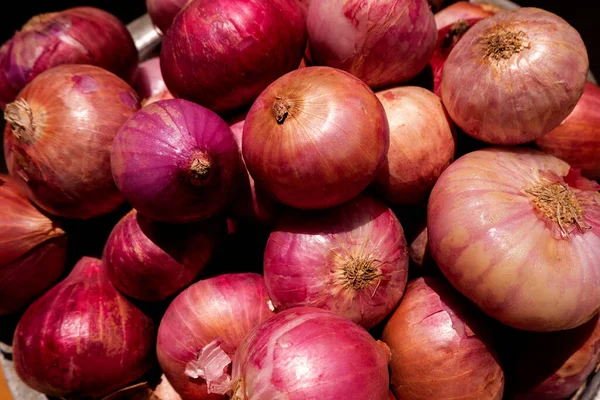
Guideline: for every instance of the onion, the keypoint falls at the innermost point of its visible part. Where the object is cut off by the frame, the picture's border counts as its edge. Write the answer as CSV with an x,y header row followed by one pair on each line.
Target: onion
x,y
381,42
82,338
58,137
315,138
391,396
162,12
422,144
440,346
176,161
149,83
518,233
526,71
203,327
310,353
222,54
81,35
32,249
462,10
577,139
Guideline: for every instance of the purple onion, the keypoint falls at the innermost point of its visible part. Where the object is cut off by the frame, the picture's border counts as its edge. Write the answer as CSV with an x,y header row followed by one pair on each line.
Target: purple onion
x,y
149,82
162,12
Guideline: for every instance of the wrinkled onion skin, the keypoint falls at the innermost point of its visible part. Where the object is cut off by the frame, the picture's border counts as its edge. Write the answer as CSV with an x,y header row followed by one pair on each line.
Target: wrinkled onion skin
x,y
162,12
149,83
488,238
460,10
342,35
439,347
519,99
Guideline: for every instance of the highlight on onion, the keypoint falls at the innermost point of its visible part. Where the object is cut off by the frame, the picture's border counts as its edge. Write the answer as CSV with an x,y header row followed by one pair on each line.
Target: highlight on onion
x,y
315,138
58,137
83,338
440,346
163,12
461,10
518,232
526,71
381,42
149,83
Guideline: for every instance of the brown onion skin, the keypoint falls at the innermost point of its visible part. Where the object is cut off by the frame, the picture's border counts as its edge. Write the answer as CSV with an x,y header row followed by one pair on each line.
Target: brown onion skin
x,y
83,338
63,163
439,346
461,10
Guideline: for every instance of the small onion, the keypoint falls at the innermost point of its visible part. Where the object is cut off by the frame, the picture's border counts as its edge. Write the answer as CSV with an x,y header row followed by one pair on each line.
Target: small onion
x,y
315,138
149,83
462,10
518,233
163,12
515,76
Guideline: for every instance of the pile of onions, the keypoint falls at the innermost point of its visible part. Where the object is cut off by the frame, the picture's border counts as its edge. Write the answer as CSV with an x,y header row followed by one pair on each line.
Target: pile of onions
x,y
58,138
462,10
203,327
149,83
81,35
32,249
526,72
440,347
222,54
422,144
310,353
162,12
351,259
315,138
518,232
176,161
83,338
381,42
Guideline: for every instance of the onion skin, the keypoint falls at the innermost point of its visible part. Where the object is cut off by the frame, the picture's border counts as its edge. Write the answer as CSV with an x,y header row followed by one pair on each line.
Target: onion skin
x,y
577,139
342,35
500,249
439,346
519,96
81,35
460,10
82,338
309,161
222,54
59,154
149,83
163,12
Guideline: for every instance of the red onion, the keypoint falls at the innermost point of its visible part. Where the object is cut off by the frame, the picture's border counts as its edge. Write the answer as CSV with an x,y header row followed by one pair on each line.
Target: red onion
x,y
462,10
422,144
440,346
149,83
176,161
391,396
203,327
58,137
577,139
381,42
81,35
515,76
351,259
315,138
162,12
222,54
82,338
518,233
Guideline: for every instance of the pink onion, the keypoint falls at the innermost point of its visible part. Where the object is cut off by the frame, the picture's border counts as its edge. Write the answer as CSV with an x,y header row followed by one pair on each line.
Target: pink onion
x,y
176,161
518,233
149,83
461,10
162,12
381,42
82,338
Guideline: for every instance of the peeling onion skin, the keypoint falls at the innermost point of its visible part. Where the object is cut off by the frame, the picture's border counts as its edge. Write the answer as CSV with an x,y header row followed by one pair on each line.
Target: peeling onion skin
x,y
500,249
460,10
527,70
341,35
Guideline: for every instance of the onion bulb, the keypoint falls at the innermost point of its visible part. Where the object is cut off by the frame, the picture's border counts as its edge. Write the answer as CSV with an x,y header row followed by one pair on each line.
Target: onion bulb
x,y
162,12
149,83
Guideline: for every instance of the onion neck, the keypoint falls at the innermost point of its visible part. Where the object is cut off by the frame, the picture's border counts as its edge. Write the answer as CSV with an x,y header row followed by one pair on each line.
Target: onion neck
x,y
503,43
21,119
200,169
281,109
358,273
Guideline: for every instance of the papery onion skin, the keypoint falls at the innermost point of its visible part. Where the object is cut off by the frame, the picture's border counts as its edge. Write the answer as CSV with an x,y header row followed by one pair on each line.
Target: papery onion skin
x,y
83,338
330,144
149,83
310,353
527,70
81,35
342,35
58,138
440,349
503,252
460,10
222,54
176,161
226,307
577,139
163,12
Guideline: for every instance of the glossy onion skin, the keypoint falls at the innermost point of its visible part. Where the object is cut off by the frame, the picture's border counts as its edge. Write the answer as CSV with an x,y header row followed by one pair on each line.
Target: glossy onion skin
x,y
310,353
440,348
495,247
149,83
328,149
514,100
83,338
81,35
342,35
460,10
163,12
237,49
